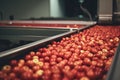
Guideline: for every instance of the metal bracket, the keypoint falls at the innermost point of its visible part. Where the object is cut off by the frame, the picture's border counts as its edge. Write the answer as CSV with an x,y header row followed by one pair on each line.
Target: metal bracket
x,y
105,11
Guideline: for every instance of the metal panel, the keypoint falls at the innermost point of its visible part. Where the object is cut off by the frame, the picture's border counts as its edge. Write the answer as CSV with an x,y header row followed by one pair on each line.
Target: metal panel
x,y
34,45
11,37
105,11
114,72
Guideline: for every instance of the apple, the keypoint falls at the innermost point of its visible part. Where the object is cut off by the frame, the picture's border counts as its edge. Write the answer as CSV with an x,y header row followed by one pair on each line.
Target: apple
x,y
6,68
13,62
39,72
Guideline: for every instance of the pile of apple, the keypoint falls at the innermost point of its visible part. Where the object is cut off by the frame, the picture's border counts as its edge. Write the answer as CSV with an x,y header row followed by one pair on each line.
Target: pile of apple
x,y
86,55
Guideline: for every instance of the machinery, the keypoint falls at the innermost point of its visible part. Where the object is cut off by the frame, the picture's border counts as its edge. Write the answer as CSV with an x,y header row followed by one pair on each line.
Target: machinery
x,y
33,35
108,12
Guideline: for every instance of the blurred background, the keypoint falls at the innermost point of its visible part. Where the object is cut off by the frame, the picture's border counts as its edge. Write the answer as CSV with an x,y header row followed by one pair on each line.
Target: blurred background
x,y
47,9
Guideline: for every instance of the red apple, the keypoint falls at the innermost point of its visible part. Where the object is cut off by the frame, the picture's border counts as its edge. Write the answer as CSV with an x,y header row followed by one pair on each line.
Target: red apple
x,y
6,68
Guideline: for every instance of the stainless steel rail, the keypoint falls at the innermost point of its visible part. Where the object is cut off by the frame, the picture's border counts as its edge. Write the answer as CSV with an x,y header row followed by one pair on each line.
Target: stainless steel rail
x,y
32,46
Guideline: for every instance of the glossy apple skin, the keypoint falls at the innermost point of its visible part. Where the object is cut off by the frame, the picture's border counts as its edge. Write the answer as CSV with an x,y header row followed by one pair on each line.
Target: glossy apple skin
x,y
86,55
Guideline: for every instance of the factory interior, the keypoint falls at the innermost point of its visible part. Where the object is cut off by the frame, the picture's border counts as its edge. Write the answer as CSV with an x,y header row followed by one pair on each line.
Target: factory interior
x,y
59,39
